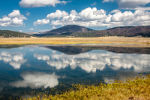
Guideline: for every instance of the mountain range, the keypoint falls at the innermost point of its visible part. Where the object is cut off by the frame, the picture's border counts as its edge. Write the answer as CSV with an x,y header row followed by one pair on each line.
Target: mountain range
x,y
80,31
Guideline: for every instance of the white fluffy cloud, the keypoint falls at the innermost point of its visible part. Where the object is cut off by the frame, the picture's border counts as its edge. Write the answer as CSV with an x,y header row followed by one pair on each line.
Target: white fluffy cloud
x,y
37,80
128,4
92,17
143,8
91,62
132,3
15,18
57,14
42,21
40,3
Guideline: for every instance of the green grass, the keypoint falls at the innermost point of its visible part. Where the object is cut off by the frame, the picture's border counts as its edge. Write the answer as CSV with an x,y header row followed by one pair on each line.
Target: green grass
x,y
136,89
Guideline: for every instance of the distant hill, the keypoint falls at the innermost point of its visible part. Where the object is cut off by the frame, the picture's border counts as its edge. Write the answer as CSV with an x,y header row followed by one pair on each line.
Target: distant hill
x,y
7,33
65,31
128,31
79,31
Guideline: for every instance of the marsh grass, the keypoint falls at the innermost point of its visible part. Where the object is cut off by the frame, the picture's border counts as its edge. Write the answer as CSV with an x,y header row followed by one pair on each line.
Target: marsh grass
x,y
135,89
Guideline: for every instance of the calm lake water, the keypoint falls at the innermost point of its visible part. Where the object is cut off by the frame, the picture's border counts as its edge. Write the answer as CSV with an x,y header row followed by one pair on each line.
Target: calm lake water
x,y
27,70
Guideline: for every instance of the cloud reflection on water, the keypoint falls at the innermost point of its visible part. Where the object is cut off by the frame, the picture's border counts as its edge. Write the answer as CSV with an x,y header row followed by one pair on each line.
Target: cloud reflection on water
x,y
91,62
37,80
13,59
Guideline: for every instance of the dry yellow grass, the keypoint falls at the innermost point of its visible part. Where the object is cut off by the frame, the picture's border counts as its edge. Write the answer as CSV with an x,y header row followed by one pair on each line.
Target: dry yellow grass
x,y
106,41
136,89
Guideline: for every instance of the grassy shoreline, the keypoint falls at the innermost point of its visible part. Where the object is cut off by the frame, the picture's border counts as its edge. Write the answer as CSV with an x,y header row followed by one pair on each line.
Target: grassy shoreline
x,y
135,89
104,41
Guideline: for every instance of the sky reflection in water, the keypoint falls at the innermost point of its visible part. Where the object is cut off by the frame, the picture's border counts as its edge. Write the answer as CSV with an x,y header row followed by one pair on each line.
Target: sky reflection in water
x,y
39,67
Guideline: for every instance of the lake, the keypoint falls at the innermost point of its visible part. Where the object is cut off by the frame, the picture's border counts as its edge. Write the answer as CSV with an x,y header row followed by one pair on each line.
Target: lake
x,y
33,69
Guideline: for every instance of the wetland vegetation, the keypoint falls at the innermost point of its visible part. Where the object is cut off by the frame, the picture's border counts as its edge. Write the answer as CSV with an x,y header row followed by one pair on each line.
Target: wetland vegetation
x,y
133,89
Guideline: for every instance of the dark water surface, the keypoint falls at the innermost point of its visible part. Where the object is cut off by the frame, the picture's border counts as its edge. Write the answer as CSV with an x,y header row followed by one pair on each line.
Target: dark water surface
x,y
27,70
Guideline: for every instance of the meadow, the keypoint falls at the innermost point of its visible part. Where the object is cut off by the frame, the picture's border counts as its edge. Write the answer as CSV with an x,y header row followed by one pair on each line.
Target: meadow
x,y
107,41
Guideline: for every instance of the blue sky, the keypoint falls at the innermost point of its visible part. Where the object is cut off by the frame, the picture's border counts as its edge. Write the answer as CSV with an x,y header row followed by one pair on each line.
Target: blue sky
x,y
42,15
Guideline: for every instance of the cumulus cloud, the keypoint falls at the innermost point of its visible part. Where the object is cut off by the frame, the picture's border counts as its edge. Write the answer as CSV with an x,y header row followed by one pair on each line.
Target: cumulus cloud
x,y
57,14
93,17
132,3
15,18
42,21
129,4
14,59
37,80
40,3
91,62
143,8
